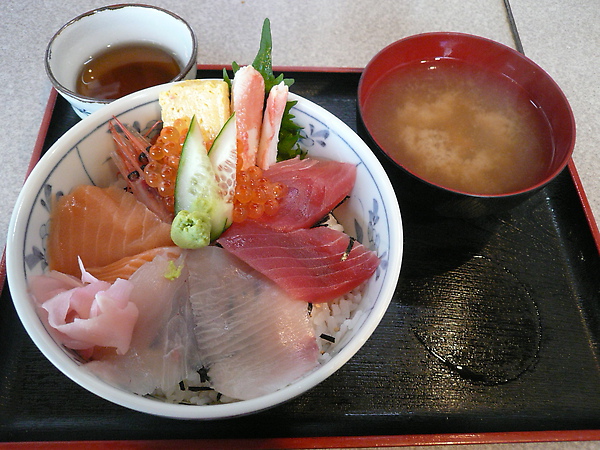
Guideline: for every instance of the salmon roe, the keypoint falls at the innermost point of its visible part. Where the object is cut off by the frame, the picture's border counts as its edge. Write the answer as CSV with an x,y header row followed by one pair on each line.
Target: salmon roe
x,y
255,195
161,170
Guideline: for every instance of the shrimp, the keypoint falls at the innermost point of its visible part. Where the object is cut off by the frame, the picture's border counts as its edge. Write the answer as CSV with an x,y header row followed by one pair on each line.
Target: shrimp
x,y
131,156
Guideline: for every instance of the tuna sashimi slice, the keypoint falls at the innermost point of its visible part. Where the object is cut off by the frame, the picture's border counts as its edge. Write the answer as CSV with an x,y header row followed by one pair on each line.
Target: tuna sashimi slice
x,y
316,264
253,339
314,188
101,226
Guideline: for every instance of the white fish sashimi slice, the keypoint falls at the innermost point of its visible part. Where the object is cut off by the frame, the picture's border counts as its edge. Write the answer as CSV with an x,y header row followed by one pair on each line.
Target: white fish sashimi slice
x,y
163,348
253,339
154,295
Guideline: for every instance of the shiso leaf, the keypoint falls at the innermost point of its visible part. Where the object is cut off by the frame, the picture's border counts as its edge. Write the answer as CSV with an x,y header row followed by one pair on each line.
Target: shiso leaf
x,y
263,62
289,134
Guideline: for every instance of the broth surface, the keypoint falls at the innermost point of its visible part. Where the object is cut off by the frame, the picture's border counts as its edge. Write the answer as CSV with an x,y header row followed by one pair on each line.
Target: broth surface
x,y
121,70
461,128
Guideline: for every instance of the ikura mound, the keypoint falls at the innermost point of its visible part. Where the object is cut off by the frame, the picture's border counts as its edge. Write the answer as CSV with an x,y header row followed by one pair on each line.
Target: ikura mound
x,y
166,297
465,115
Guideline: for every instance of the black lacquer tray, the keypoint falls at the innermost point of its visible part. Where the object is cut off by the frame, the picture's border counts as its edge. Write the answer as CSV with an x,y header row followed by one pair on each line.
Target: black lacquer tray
x,y
493,329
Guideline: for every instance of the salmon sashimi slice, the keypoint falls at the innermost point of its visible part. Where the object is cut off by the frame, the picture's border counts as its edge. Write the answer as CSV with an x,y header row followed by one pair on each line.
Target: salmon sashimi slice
x,y
269,135
101,226
247,101
125,267
314,189
315,264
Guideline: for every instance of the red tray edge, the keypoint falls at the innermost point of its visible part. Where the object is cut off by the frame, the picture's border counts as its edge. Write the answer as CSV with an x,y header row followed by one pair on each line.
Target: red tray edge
x,y
329,442
323,442
585,203
319,69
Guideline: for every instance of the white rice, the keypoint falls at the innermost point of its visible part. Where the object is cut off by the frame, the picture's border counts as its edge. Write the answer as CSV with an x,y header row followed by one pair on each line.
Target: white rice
x,y
334,320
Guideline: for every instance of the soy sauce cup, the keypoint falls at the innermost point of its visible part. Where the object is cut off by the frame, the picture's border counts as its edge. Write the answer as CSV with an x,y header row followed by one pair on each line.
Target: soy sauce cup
x,y
479,57
115,27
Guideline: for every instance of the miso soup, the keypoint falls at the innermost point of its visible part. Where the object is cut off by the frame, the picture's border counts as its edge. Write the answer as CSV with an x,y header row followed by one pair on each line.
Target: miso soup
x,y
460,127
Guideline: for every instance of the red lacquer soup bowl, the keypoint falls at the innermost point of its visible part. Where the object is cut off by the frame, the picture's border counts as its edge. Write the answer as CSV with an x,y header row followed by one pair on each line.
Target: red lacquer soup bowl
x,y
416,83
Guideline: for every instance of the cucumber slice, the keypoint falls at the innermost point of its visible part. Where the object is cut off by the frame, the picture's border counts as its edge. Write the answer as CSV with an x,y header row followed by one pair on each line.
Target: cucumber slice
x,y
223,157
197,196
195,175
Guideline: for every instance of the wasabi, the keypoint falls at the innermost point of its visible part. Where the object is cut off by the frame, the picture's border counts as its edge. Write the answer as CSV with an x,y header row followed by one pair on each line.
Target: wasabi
x,y
191,229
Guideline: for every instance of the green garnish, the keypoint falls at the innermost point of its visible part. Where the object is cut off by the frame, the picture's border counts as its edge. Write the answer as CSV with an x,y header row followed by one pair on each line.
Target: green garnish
x,y
263,62
191,229
289,133
173,272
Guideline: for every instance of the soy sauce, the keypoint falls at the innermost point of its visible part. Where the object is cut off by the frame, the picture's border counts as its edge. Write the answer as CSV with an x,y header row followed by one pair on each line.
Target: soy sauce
x,y
121,70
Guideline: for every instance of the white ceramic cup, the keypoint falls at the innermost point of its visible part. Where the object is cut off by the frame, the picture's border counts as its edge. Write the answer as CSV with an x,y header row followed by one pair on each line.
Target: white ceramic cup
x,y
96,30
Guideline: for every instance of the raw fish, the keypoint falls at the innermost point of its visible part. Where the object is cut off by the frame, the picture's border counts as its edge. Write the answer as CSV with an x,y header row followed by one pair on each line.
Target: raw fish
x,y
101,226
153,293
252,337
163,350
125,267
316,264
314,188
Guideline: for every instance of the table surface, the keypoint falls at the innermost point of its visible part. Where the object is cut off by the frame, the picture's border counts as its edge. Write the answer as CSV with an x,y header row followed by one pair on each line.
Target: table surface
x,y
562,37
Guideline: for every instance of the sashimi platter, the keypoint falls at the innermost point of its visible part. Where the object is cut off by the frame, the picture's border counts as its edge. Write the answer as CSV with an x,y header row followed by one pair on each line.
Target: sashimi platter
x,y
205,249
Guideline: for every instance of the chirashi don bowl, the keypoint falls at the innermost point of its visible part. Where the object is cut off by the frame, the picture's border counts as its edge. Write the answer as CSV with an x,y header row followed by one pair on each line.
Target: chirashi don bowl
x,y
371,214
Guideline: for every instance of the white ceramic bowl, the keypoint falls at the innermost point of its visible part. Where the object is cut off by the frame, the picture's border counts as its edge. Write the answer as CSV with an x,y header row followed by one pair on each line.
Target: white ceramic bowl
x,y
94,31
79,157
